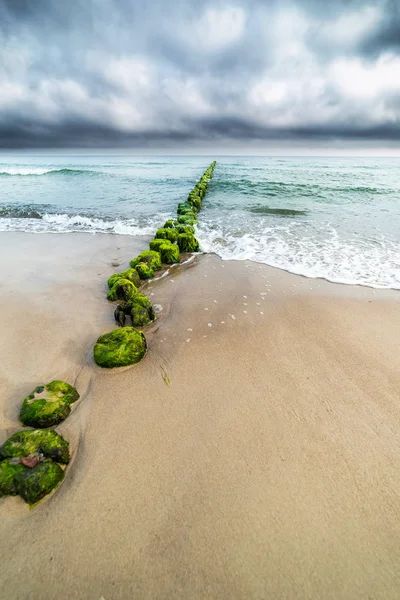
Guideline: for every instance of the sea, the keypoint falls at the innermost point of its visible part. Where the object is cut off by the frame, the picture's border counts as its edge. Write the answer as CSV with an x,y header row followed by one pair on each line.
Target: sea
x,y
320,217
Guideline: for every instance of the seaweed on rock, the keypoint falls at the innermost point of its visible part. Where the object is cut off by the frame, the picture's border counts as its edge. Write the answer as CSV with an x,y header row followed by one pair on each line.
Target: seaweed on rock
x,y
120,348
34,484
48,405
146,263
123,289
166,233
169,253
130,274
188,243
139,309
36,441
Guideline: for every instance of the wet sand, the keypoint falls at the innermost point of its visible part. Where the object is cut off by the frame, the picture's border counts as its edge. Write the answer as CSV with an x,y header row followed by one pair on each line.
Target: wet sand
x,y
253,453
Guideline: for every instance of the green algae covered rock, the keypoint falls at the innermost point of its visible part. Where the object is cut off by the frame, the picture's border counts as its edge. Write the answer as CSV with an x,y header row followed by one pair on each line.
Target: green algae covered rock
x,y
120,348
130,274
166,233
48,404
188,243
180,228
187,219
139,308
169,224
145,271
195,201
34,484
123,289
157,243
150,258
185,208
8,474
169,253
36,441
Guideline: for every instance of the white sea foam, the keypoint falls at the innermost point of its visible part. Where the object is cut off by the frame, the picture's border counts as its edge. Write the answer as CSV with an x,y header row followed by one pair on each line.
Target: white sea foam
x,y
63,223
25,170
328,256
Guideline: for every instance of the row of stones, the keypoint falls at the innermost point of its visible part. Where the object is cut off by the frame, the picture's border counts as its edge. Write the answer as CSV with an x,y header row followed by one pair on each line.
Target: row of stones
x,y
32,461
127,346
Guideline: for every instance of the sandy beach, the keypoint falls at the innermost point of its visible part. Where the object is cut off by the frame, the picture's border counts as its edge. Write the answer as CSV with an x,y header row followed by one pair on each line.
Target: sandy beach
x,y
253,453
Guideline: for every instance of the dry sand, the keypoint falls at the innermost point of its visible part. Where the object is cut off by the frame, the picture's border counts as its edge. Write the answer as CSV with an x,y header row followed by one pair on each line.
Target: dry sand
x,y
247,457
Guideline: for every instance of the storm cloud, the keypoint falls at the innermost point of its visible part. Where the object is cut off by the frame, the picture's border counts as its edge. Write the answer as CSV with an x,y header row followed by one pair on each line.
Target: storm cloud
x,y
134,73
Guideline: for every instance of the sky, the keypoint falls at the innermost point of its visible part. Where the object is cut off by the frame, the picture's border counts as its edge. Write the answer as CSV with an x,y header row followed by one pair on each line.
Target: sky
x,y
176,74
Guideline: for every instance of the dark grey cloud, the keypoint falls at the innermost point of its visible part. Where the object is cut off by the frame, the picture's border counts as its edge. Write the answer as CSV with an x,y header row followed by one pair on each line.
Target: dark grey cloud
x,y
136,73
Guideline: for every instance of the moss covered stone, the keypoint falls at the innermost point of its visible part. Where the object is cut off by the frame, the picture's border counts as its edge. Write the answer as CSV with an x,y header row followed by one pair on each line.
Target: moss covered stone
x,y
195,201
169,224
8,474
156,244
150,258
130,274
145,271
168,233
48,404
181,228
169,253
123,289
34,484
185,208
47,442
187,219
139,308
188,243
120,348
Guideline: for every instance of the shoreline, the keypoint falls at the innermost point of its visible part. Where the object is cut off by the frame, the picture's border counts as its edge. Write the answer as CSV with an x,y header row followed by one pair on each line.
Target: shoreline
x,y
249,461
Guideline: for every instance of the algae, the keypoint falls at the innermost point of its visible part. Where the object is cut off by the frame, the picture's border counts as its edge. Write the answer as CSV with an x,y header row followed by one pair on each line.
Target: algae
x,y
47,442
130,274
144,270
120,348
187,219
123,289
150,258
169,253
48,405
8,473
167,233
139,308
187,243
168,224
34,484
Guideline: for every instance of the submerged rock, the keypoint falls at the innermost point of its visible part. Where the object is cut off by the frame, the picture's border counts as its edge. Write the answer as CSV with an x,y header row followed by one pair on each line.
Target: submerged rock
x,y
123,289
34,484
186,208
195,201
130,274
47,442
168,224
120,348
188,219
181,228
48,405
166,233
188,243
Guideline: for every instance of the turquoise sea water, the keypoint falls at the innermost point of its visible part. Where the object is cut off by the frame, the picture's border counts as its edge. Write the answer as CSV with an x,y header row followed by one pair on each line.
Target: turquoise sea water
x,y
336,218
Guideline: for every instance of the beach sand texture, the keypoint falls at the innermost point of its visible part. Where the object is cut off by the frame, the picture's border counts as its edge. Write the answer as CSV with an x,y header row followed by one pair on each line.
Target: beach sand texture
x,y
253,453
